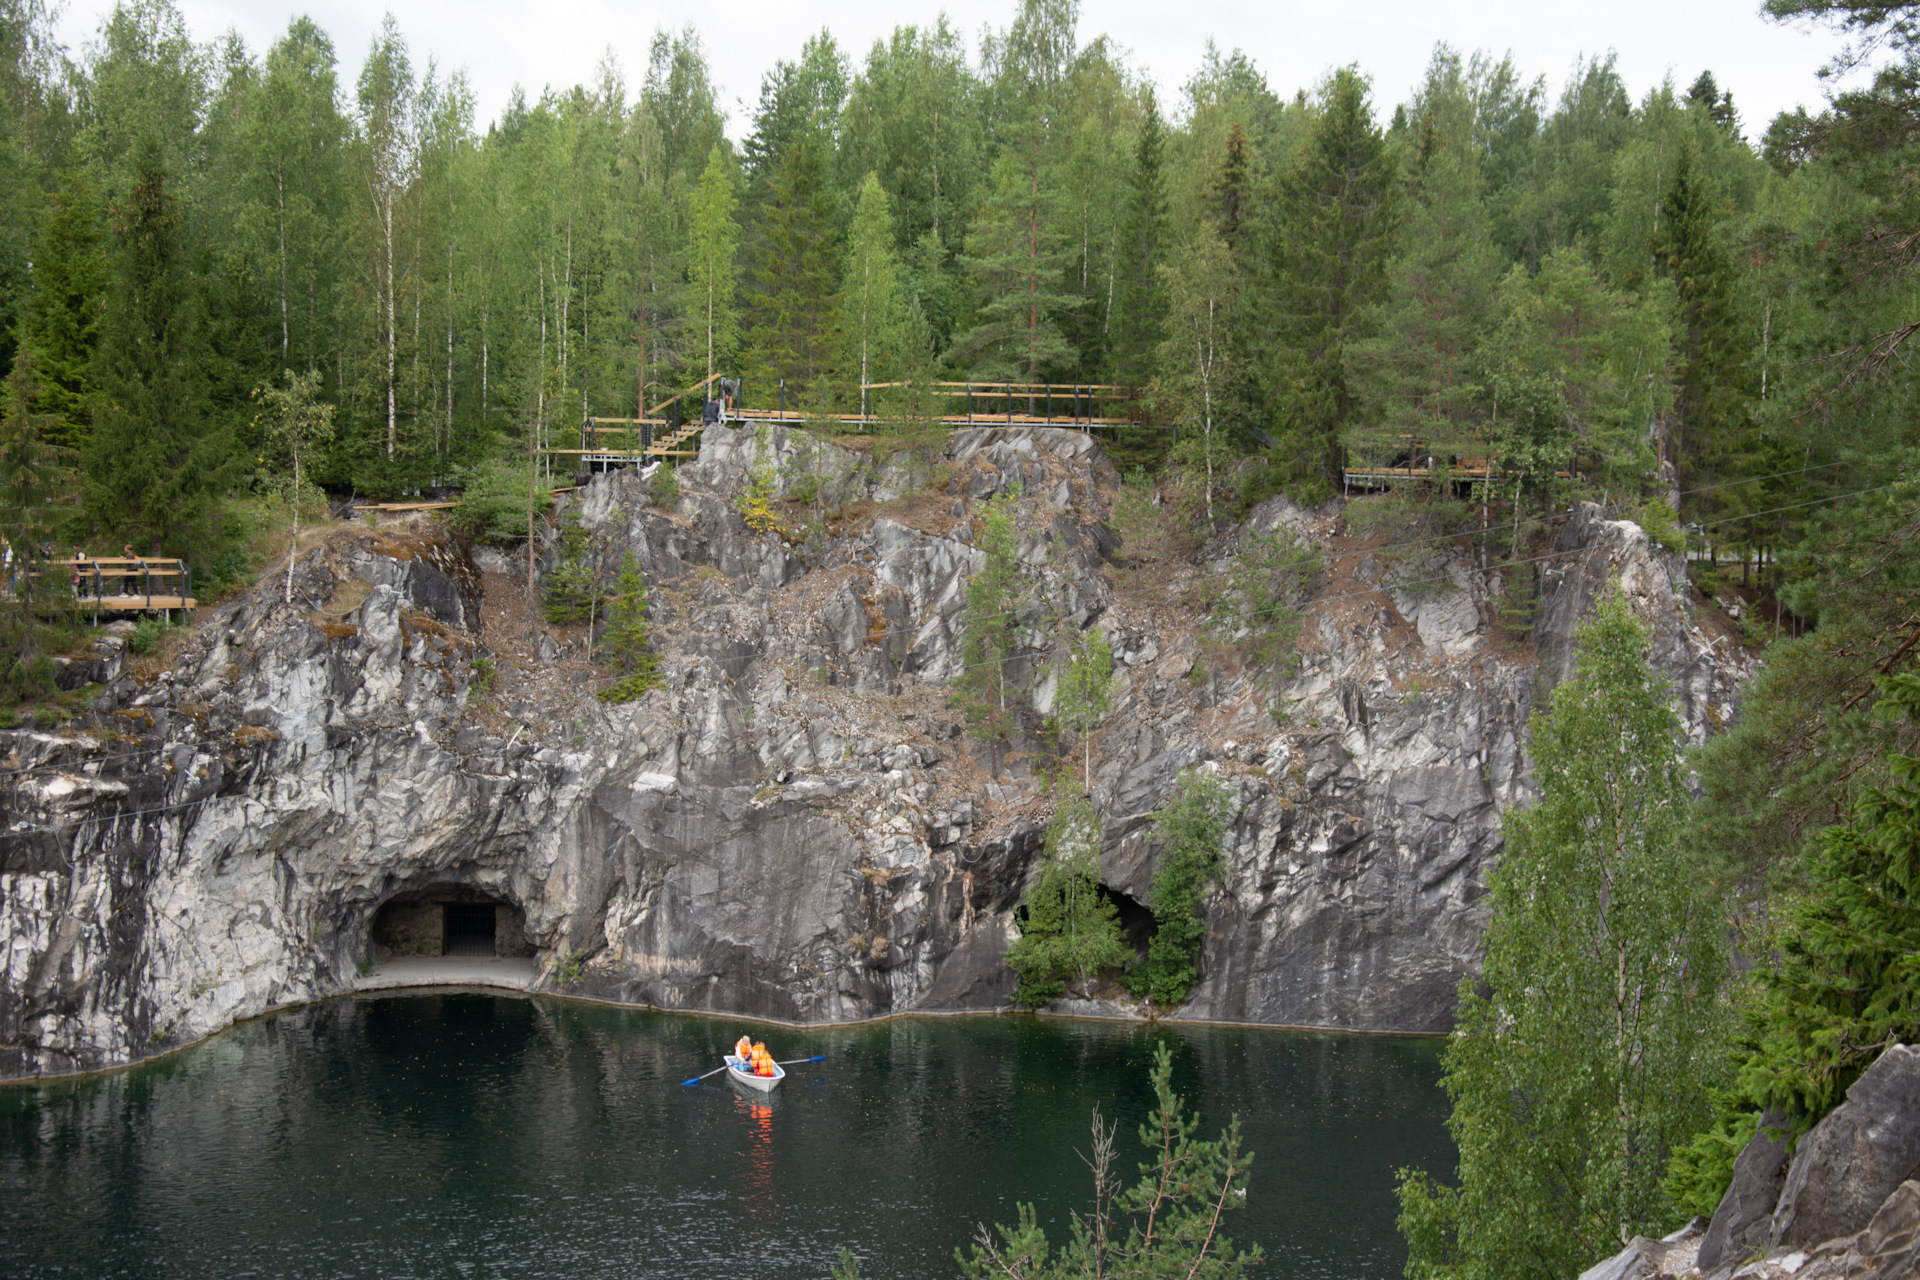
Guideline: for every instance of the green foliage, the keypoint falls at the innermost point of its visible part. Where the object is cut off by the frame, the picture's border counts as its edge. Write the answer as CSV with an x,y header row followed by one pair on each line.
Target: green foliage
x,y
296,426
996,595
155,462
1084,695
1335,215
1069,929
493,503
626,646
791,296
1585,1048
1266,589
1192,826
484,673
572,589
663,490
1166,1224
1847,981
713,238
1804,746
146,635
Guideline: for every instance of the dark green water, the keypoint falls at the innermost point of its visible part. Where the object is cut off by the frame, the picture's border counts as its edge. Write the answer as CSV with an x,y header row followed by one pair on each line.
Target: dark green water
x,y
467,1135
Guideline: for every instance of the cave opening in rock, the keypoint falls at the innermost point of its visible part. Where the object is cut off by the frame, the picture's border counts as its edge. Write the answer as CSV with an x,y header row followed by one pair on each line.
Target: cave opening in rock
x,y
1136,918
449,920
469,928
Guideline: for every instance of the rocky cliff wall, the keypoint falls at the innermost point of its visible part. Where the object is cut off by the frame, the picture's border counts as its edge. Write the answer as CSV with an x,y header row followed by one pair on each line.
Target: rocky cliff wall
x,y
794,826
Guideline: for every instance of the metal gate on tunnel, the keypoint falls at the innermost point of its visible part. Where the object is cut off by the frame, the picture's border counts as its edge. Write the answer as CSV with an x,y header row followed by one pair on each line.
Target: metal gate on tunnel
x,y
469,928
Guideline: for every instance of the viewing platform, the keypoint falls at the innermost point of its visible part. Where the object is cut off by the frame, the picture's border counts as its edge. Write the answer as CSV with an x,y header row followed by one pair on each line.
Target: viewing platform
x,y
118,584
664,431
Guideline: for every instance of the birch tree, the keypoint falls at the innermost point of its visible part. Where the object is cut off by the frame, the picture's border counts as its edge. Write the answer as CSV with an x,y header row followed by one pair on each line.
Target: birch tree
x,y
1585,1045
387,157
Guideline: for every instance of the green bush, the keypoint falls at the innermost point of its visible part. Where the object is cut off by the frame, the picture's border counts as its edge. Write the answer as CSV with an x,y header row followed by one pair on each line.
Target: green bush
x,y
664,488
493,503
1193,825
146,634
1071,929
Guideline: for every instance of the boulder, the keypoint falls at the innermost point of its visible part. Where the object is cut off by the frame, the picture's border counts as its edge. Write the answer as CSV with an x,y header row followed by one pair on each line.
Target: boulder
x,y
1745,1214
1645,1259
1847,1166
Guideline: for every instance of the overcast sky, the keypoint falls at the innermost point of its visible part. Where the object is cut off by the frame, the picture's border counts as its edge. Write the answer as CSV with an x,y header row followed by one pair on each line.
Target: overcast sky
x,y
501,43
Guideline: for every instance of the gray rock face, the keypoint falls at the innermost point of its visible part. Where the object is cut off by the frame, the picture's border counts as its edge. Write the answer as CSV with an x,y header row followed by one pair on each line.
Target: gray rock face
x,y
1745,1214
794,824
1645,1259
1849,1163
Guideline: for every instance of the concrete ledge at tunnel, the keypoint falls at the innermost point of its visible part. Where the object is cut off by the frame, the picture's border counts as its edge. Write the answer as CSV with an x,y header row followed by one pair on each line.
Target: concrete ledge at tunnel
x,y
513,972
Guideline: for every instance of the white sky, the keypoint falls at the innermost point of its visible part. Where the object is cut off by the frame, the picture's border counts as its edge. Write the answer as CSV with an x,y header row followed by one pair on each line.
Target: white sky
x,y
1769,67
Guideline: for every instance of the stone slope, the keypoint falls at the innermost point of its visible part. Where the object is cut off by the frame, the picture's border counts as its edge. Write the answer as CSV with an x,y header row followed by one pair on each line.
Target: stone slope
x,y
794,826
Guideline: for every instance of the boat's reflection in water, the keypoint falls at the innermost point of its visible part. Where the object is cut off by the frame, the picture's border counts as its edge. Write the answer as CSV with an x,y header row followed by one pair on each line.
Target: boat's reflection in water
x,y
760,1209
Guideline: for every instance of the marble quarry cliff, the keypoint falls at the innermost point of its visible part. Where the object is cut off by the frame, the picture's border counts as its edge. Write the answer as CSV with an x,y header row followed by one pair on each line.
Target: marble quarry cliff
x,y
795,825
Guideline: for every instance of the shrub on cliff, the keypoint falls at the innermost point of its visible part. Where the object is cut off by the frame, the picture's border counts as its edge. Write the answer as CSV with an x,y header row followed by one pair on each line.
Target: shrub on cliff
x,y
628,637
1585,1049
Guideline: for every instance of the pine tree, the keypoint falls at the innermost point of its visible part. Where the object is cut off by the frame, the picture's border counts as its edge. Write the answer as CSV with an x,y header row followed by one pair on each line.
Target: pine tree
x,y
153,465
1017,256
62,322
1335,218
1172,1216
1586,1044
712,239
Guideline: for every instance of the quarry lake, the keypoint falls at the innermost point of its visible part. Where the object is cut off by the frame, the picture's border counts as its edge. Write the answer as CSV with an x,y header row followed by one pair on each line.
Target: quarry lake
x,y
471,1135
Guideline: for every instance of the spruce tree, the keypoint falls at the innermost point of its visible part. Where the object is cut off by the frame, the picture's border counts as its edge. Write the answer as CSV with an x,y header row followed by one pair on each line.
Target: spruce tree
x,y
796,270
627,644
62,322
1587,1042
154,464
1421,366
1713,380
1334,223
1142,247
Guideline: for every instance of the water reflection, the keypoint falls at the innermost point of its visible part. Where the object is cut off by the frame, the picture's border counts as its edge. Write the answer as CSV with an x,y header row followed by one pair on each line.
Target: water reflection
x,y
478,1135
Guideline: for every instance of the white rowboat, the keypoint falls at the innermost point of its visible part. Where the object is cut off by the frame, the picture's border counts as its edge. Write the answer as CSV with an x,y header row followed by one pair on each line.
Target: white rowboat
x,y
739,1069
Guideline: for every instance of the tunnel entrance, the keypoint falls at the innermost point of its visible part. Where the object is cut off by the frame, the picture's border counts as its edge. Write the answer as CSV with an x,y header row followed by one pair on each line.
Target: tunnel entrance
x,y
449,920
469,928
1136,919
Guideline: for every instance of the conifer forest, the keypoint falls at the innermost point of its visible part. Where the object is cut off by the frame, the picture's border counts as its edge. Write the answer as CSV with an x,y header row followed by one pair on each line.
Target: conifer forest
x,y
236,285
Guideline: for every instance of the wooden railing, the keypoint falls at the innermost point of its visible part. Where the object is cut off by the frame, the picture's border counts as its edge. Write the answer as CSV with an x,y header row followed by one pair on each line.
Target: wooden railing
x,y
119,584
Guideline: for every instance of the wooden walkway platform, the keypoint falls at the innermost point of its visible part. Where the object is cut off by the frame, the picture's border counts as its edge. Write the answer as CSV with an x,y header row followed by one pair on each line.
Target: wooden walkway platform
x,y
117,584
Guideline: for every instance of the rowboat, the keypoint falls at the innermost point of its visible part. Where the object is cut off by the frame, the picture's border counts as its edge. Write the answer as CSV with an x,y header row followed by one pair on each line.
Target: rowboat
x,y
738,1069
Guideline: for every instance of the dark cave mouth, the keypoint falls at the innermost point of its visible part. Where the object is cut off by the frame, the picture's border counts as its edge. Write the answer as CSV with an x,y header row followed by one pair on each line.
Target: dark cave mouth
x,y
449,920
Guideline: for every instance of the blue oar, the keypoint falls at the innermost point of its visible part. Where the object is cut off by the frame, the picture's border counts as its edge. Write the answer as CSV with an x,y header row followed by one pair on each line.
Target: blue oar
x,y
792,1062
